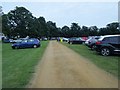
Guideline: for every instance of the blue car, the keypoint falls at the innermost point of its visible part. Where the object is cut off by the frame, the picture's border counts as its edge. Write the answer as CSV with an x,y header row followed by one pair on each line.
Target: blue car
x,y
28,43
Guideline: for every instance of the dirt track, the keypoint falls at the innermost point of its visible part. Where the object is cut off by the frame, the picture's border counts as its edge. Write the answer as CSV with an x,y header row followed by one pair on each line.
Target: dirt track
x,y
61,67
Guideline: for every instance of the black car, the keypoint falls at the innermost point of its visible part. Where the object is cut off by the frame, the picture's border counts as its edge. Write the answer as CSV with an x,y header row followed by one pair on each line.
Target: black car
x,y
76,41
109,44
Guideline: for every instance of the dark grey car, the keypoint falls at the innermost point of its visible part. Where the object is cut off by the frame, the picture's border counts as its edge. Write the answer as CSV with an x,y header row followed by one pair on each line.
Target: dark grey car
x,y
91,42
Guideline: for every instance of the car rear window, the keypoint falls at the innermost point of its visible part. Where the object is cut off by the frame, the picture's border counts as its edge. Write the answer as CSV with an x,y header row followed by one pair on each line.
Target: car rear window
x,y
111,39
106,39
114,39
77,38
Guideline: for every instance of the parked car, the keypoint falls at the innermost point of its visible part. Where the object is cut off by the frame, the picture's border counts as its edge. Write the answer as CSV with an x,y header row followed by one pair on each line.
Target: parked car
x,y
65,39
84,38
17,40
53,38
109,44
91,43
76,41
7,40
44,39
28,43
87,41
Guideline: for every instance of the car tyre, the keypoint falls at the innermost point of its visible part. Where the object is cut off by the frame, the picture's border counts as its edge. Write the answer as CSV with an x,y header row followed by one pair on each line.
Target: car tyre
x,y
16,47
13,47
70,42
105,51
93,47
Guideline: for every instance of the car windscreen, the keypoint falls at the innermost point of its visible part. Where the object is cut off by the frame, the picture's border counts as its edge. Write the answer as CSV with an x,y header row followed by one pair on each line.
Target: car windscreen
x,y
24,41
30,40
78,39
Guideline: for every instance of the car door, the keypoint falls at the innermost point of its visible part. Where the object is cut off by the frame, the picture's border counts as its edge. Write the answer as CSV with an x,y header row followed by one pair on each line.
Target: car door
x,y
23,44
114,42
30,43
77,41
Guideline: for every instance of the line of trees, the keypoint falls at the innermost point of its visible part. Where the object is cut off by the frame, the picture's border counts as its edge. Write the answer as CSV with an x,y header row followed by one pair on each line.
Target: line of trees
x,y
21,22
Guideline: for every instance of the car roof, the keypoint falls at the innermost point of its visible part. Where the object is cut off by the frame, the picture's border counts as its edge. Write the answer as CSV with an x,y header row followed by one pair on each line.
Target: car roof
x,y
102,37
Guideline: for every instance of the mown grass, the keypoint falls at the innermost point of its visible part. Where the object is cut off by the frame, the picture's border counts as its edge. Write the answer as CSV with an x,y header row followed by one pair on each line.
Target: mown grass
x,y
108,63
18,65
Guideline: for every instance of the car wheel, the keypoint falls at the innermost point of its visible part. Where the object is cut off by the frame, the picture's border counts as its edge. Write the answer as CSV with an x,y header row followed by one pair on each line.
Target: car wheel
x,y
105,51
83,42
93,47
16,47
70,42
35,46
13,47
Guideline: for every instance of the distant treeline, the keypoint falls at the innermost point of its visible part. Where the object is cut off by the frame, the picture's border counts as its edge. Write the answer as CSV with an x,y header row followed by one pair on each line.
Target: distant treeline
x,y
21,22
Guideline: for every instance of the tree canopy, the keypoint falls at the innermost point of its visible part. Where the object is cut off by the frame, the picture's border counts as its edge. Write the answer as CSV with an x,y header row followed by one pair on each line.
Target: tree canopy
x,y
21,22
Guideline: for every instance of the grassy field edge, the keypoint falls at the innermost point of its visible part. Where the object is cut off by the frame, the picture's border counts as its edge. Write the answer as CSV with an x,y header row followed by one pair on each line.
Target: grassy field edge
x,y
109,63
19,65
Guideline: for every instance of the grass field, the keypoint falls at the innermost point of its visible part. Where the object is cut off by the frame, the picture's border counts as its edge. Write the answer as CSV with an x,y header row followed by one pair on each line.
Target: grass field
x,y
108,63
19,64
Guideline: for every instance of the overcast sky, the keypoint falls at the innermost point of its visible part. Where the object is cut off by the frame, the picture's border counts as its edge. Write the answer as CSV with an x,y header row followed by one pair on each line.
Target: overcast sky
x,y
65,13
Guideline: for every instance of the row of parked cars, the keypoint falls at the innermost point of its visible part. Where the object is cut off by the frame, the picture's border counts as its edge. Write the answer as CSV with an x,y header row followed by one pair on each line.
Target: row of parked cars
x,y
23,43
105,45
108,45
73,40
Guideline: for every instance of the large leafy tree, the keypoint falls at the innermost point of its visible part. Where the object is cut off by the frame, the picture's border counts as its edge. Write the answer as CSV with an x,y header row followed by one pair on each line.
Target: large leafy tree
x,y
113,28
6,26
42,27
84,31
75,30
103,31
65,31
93,30
1,13
52,29
20,22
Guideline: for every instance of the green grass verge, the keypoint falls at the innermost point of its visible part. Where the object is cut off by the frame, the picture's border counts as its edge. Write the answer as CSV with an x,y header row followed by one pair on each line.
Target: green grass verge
x,y
108,63
18,65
